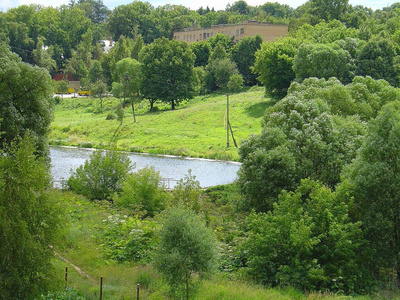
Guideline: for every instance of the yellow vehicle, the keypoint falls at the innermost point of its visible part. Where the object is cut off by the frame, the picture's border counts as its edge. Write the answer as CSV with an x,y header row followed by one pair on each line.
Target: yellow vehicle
x,y
84,93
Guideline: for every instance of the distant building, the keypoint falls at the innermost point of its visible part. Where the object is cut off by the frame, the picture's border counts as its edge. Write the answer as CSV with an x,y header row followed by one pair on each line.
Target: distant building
x,y
268,32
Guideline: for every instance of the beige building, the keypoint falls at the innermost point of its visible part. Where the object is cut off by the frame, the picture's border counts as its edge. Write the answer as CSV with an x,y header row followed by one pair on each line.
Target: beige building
x,y
268,32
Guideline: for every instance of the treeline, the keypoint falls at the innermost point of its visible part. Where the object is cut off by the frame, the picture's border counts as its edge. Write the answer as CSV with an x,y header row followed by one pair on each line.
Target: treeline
x,y
326,39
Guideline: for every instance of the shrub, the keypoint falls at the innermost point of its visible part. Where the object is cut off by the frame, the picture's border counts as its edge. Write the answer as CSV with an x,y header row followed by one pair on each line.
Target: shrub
x,y
128,238
187,192
307,242
111,116
101,176
186,248
142,191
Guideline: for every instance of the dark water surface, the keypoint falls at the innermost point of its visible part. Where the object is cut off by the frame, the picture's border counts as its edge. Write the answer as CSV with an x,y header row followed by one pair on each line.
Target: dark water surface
x,y
208,172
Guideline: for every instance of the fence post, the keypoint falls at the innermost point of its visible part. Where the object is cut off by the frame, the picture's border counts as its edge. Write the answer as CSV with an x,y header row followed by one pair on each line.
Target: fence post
x,y
101,288
66,275
137,291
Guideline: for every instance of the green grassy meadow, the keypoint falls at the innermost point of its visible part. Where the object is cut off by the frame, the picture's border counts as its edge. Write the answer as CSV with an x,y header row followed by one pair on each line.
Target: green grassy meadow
x,y
197,128
81,246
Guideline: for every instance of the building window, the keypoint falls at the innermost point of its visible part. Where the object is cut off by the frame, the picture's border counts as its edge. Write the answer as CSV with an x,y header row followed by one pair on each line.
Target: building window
x,y
208,34
241,30
237,32
200,36
212,34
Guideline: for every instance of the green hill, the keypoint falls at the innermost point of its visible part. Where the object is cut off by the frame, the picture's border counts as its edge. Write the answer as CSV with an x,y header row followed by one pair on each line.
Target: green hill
x,y
197,128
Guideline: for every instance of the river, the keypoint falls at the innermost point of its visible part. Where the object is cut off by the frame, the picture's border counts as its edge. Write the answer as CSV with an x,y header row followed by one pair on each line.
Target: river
x,y
64,160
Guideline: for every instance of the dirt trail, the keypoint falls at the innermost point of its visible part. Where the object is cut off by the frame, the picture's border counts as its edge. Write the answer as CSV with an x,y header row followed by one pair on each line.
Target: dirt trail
x,y
79,270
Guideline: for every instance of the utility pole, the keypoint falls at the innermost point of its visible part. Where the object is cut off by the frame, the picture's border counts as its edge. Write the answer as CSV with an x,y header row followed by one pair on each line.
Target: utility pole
x,y
227,120
228,124
126,83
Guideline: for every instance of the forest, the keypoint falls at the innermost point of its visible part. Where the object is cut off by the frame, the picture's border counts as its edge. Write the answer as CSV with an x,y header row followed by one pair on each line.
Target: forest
x,y
314,212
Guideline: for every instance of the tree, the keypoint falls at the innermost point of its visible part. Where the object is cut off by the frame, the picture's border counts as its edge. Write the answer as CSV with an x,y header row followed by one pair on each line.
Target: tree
x,y
243,55
131,67
186,248
373,182
308,242
202,50
26,102
61,87
100,176
187,192
167,70
379,59
95,72
274,65
241,7
235,83
143,191
42,57
300,139
220,71
29,222
99,89
323,61
95,10
329,9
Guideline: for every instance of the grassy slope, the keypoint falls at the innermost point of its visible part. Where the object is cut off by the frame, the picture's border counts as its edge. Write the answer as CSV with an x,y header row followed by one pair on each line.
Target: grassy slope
x,y
81,246
195,128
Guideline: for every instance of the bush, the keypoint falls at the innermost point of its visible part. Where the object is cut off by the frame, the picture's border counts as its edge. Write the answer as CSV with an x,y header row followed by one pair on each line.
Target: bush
x,y
111,116
142,191
307,242
128,238
101,176
187,192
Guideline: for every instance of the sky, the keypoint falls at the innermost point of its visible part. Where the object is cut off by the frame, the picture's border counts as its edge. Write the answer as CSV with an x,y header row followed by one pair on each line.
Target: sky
x,y
192,4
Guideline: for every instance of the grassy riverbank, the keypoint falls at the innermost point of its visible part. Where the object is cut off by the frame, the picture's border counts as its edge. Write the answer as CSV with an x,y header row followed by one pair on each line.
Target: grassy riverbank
x,y
195,128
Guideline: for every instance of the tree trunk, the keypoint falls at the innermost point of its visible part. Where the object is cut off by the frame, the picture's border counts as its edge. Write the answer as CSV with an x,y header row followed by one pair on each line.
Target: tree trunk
x,y
173,104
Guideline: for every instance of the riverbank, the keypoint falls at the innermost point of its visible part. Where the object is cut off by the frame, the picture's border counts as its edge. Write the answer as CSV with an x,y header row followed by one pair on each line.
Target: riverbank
x,y
195,129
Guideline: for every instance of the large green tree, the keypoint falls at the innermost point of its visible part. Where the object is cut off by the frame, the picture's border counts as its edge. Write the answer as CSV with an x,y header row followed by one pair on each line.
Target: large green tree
x,y
323,61
26,101
300,138
274,65
243,55
373,180
168,71
29,223
380,60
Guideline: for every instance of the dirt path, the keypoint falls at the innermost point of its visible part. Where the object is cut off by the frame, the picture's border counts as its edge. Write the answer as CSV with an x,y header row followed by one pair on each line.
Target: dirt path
x,y
79,270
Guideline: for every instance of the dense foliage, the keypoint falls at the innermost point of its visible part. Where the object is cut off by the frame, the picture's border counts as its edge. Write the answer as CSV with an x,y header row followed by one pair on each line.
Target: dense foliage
x,y
308,241
25,100
29,222
321,178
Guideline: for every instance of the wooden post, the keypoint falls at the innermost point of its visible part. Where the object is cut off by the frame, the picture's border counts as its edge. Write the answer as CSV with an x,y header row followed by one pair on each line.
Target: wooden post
x,y
101,288
137,291
227,120
66,275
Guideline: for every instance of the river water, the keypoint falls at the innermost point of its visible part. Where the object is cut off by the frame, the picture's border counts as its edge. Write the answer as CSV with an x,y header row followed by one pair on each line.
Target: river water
x,y
64,160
